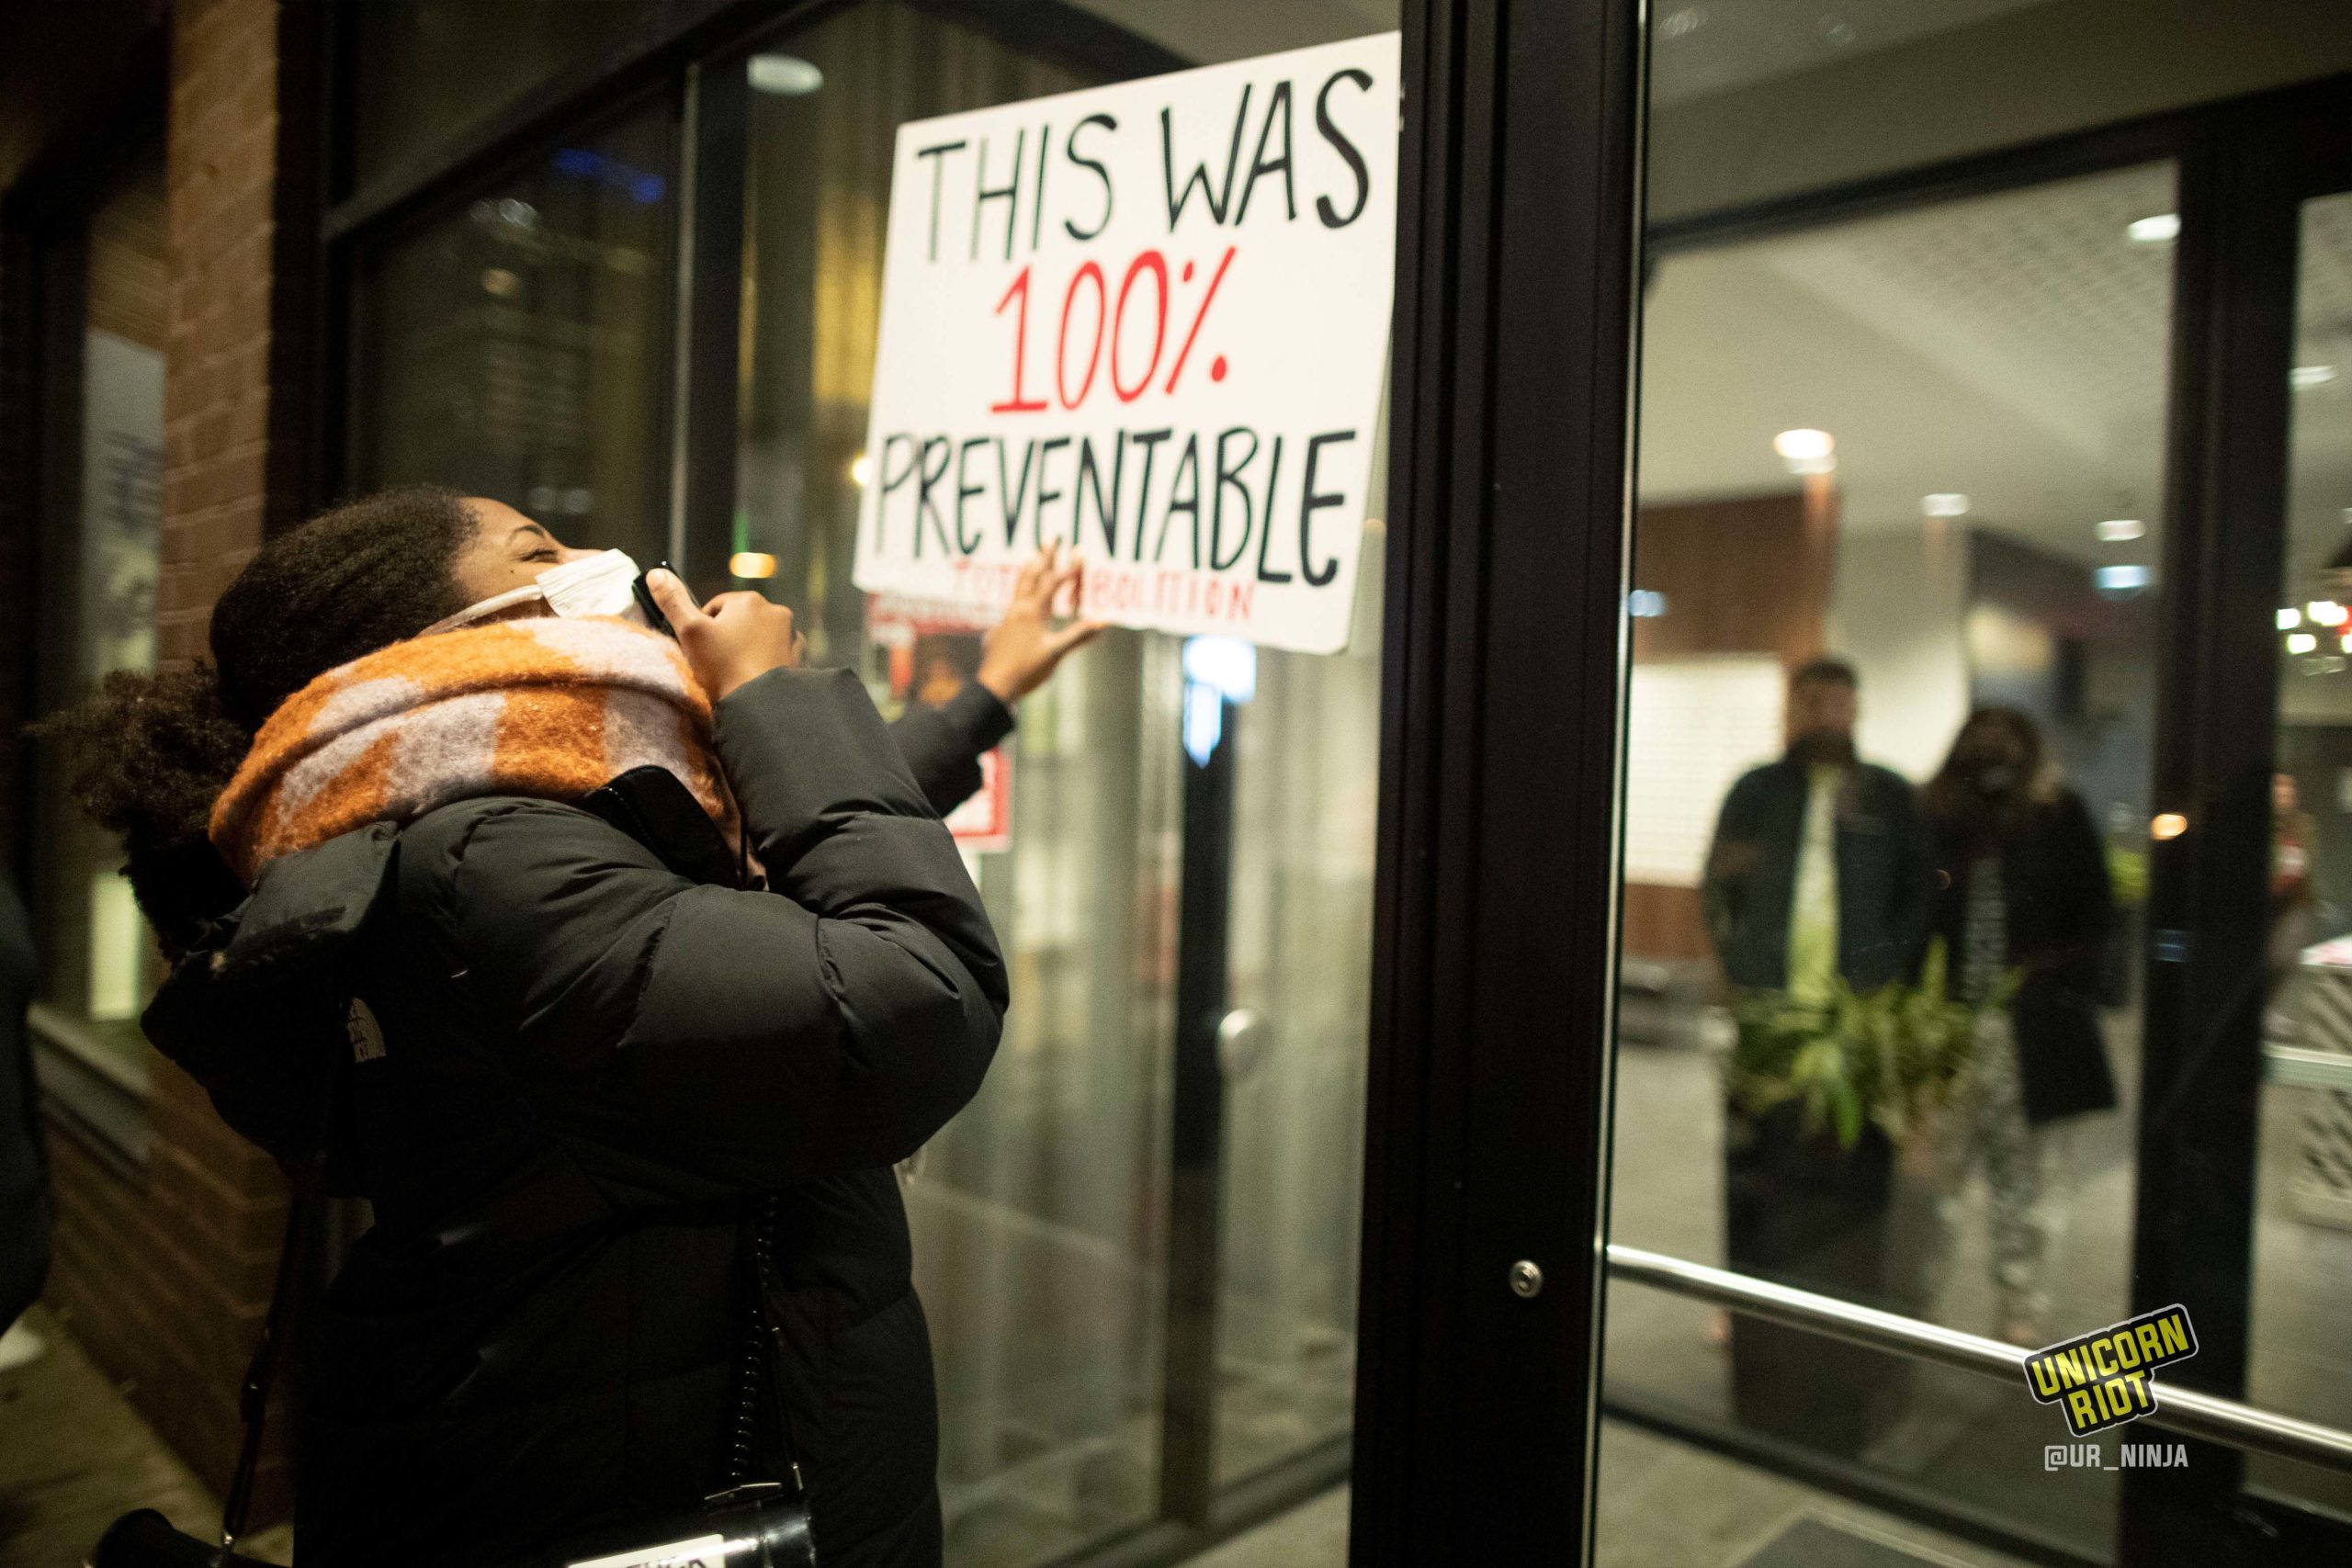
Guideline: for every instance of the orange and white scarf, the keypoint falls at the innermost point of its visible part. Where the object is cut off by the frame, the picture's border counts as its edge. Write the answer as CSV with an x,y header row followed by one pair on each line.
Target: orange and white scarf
x,y
548,707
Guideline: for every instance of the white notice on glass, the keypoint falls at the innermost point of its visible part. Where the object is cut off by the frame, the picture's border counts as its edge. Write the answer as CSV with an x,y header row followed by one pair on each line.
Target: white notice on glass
x,y
1149,322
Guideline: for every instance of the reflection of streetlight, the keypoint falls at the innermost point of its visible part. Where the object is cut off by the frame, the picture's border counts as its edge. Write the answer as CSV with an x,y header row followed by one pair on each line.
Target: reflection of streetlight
x,y
861,471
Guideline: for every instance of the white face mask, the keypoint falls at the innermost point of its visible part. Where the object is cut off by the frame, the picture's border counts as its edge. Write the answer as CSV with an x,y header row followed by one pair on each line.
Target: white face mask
x,y
601,584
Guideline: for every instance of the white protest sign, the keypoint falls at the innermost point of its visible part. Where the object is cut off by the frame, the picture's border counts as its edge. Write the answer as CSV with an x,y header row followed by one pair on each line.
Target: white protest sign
x,y
1148,321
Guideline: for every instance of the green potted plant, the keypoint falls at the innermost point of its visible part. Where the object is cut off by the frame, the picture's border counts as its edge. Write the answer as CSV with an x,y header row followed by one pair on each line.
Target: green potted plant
x,y
1892,1057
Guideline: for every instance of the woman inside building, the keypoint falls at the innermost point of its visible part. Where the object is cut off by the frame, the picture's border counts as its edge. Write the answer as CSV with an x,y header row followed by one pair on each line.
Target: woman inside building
x,y
615,971
2024,907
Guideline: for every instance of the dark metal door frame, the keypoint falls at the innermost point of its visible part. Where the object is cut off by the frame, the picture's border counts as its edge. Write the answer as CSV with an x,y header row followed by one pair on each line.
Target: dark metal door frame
x,y
2245,169
1494,914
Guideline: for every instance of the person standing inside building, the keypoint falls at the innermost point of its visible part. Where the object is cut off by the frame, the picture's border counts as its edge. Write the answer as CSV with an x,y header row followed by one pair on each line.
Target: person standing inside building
x,y
2023,898
1818,872
1818,869
630,965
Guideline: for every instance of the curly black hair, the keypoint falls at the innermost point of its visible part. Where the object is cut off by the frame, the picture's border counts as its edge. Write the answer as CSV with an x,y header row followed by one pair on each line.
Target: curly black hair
x,y
152,752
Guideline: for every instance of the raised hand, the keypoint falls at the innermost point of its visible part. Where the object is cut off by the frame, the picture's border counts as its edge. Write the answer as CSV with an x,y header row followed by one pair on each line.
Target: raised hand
x,y
735,638
1023,649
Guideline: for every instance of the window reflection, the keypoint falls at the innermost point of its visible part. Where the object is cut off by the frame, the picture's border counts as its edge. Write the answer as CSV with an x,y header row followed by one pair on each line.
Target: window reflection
x,y
1888,745
1047,1215
101,549
428,70
518,347
2303,1195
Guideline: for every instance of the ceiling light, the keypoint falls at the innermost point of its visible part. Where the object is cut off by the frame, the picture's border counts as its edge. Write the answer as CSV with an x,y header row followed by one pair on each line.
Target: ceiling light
x,y
2304,378
2326,613
2301,642
2160,228
1807,451
2289,618
2115,530
2121,582
785,75
1683,23
1644,604
1944,504
2169,824
751,564
861,471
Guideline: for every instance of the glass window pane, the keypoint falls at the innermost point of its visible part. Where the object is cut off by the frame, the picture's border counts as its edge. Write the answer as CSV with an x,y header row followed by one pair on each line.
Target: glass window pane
x,y
519,347
2299,1360
1047,1215
1927,445
425,70
100,559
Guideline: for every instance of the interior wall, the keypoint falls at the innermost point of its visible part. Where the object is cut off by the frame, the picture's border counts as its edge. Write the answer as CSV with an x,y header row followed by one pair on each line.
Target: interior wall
x,y
1896,613
1738,576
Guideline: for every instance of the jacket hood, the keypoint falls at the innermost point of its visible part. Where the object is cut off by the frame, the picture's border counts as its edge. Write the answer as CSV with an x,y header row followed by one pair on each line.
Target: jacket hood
x,y
258,1011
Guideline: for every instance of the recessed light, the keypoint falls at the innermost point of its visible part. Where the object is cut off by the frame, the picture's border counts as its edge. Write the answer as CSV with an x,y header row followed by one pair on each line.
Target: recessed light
x,y
2301,642
2289,618
2326,613
1807,451
2158,228
861,471
2169,824
787,75
2303,377
1944,504
2115,530
2120,581
751,564
1644,604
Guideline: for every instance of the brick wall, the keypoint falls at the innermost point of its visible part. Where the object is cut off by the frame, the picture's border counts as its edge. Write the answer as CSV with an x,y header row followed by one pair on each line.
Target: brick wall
x,y
165,1273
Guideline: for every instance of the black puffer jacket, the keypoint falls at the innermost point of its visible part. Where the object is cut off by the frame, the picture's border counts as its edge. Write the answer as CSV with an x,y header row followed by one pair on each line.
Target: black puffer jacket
x,y
573,1066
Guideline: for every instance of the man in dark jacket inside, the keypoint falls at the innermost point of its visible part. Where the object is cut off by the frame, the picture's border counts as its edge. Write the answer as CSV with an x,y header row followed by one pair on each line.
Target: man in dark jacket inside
x,y
1820,870
1820,865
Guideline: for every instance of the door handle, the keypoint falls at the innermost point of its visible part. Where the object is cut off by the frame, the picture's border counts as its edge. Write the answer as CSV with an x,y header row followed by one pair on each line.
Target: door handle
x,y
1243,1038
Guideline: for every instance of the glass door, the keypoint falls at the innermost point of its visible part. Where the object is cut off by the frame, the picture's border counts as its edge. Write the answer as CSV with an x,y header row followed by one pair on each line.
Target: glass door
x,y
1897,589
1137,1249
1987,920
2298,1341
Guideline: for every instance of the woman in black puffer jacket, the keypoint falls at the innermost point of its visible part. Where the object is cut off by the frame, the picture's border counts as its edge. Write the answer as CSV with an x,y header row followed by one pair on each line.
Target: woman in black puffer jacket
x,y
598,944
